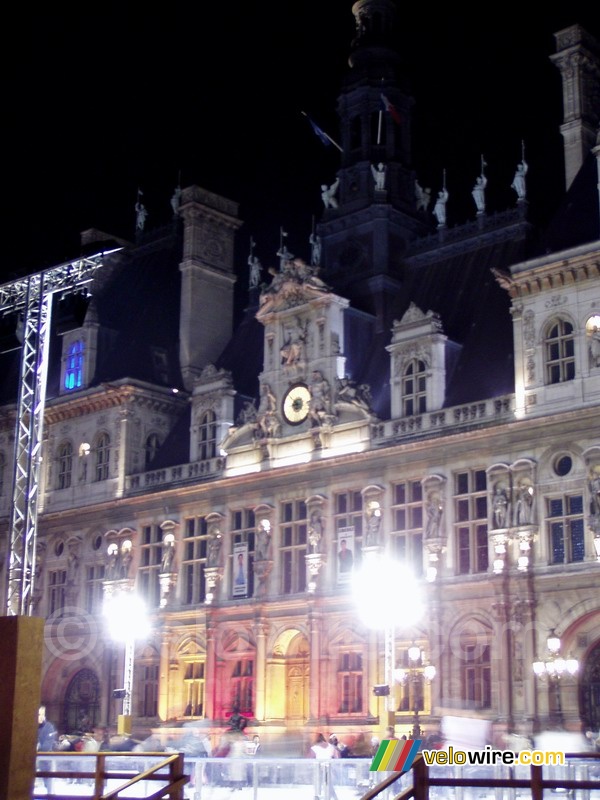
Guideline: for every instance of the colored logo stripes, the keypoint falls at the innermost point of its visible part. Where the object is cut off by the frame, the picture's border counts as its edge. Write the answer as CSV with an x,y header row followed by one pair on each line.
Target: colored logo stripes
x,y
395,755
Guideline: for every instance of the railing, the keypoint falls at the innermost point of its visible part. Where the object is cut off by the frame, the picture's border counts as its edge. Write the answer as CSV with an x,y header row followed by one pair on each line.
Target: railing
x,y
181,473
258,778
578,778
108,776
445,421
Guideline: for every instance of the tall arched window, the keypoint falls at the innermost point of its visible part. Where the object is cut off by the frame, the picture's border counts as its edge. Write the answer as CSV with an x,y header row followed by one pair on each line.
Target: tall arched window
x,y
81,710
207,436
414,388
559,352
65,465
152,446
102,456
74,366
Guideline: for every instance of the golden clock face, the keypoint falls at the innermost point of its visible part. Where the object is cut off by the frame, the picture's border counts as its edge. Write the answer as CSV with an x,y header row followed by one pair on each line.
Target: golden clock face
x,y
295,404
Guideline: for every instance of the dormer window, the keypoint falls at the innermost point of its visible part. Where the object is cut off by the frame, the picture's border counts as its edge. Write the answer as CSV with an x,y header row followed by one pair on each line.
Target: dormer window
x,y
414,388
74,366
207,444
152,447
102,456
65,465
559,352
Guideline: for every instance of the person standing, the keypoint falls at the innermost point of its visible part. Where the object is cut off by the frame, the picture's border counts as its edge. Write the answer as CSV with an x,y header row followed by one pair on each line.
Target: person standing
x,y
46,736
323,750
46,741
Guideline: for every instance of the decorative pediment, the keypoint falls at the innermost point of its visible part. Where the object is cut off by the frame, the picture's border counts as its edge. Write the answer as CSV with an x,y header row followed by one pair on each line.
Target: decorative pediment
x,y
212,383
415,323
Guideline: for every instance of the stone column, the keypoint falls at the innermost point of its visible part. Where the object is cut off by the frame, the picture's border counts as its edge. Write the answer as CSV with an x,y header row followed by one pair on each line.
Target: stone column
x,y
260,705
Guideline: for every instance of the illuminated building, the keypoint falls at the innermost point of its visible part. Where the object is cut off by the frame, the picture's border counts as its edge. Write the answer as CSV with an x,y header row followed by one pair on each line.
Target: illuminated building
x,y
426,390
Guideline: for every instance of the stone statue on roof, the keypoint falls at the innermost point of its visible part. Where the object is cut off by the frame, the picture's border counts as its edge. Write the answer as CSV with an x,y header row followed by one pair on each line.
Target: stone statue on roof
x,y
328,194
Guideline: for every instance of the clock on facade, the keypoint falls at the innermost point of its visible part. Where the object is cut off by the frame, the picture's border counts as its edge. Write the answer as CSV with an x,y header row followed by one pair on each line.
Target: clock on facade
x,y
296,404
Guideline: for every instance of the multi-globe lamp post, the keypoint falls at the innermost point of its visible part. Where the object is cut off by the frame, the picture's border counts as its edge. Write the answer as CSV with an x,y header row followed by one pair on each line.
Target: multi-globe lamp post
x,y
127,621
387,597
416,676
552,669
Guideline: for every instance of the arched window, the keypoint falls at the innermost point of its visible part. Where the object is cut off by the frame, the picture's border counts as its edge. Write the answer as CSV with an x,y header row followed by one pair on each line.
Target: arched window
x,y
152,447
473,659
74,366
65,465
81,710
2,472
559,352
102,456
476,675
414,388
207,436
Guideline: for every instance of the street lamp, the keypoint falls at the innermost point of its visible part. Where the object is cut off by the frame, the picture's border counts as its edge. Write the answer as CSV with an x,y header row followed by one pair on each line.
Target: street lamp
x,y
416,675
553,669
127,620
387,595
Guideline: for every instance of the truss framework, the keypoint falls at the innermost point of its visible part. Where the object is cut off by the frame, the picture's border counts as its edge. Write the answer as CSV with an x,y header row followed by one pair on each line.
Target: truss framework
x,y
31,299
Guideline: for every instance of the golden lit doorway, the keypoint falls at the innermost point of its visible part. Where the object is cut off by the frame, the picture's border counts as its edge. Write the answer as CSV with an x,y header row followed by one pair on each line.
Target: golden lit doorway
x,y
297,683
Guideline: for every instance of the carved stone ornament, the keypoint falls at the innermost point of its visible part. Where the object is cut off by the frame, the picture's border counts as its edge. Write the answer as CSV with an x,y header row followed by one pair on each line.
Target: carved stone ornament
x,y
314,564
212,576
294,284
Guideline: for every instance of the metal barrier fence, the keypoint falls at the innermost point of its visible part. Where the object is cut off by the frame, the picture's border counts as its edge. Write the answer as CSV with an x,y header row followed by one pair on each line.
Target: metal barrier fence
x,y
260,778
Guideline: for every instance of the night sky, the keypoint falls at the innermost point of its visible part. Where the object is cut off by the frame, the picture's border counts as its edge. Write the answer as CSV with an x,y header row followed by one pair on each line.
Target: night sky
x,y
112,97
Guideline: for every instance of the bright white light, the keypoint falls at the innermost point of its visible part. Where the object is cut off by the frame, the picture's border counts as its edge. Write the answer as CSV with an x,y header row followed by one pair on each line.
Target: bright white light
x,y
127,618
387,594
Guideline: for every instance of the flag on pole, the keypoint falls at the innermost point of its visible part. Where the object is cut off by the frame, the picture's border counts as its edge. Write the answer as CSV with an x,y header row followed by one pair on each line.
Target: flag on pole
x,y
324,137
318,132
392,110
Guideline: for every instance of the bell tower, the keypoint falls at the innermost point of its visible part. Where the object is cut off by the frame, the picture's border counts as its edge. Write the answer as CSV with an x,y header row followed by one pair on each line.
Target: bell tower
x,y
366,233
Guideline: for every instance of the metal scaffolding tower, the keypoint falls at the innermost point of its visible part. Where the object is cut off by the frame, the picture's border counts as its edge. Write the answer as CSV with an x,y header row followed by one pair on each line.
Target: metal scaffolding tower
x,y
30,298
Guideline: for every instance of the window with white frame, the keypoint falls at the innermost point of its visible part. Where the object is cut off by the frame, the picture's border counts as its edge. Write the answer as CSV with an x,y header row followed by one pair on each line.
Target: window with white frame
x,y
74,366
65,465
57,591
194,689
293,546
195,550
243,529
94,587
559,349
149,566
564,521
350,682
414,387
242,685
147,685
151,449
476,675
348,513
102,454
207,436
407,522
470,521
